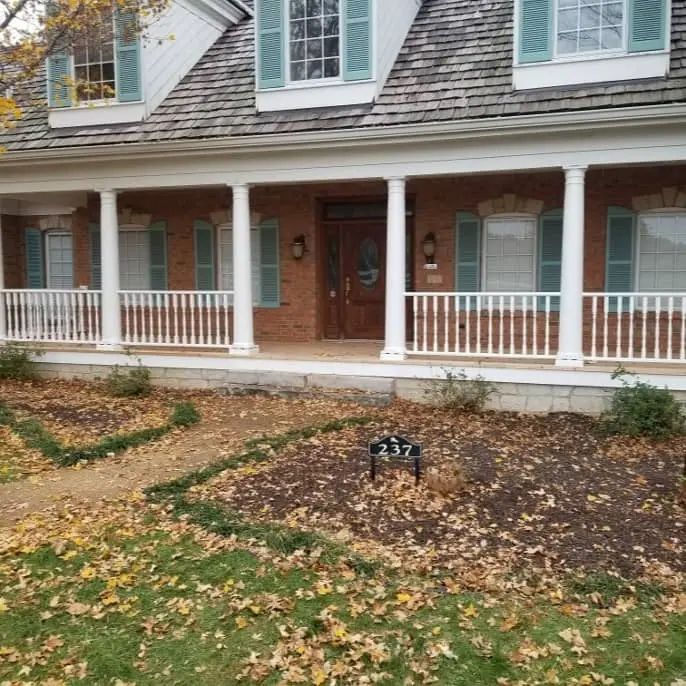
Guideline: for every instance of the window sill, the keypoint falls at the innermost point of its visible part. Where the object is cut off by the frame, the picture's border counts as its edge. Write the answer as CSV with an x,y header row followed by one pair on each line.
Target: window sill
x,y
595,69
101,114
297,96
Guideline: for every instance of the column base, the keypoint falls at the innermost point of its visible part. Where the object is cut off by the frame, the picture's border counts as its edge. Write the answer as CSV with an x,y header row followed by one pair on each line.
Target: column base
x,y
393,354
110,347
570,360
244,349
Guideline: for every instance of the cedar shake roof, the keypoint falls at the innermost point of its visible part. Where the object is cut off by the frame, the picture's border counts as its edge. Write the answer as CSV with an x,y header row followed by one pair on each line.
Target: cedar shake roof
x,y
455,64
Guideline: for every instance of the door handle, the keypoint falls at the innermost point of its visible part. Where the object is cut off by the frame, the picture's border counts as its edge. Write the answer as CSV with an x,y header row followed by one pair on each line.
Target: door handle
x,y
347,290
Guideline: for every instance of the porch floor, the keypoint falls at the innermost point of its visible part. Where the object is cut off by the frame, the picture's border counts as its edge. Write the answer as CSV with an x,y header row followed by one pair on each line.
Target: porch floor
x,y
369,352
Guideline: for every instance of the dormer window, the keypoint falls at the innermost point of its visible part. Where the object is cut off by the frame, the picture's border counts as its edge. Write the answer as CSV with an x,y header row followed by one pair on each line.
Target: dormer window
x,y
314,53
570,42
589,26
314,39
102,69
94,63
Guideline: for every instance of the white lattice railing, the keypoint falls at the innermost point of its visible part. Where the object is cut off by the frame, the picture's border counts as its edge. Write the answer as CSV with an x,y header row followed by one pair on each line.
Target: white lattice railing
x,y
49,315
484,324
636,326
184,318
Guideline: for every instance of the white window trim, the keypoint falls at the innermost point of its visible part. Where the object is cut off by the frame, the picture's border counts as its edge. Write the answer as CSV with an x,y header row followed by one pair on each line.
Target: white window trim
x,y
661,212
576,70
46,237
614,52
130,228
484,231
331,80
228,226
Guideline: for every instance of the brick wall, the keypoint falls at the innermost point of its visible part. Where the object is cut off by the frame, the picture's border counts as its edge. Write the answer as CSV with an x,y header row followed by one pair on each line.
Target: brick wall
x,y
435,200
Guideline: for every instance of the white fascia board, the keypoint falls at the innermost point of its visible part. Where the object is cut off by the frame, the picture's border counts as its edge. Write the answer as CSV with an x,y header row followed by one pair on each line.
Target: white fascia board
x,y
220,13
96,115
648,116
600,69
311,95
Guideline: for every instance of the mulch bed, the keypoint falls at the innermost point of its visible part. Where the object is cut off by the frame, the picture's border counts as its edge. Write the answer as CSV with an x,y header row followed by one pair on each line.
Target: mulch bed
x,y
544,492
77,412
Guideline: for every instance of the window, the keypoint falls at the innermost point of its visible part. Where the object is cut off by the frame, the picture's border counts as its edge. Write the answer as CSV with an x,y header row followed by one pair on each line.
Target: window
x,y
226,260
94,65
585,26
509,251
314,39
134,260
60,262
661,253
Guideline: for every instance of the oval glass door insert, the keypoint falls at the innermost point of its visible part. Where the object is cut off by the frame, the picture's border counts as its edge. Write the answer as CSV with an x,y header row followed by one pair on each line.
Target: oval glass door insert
x,y
368,267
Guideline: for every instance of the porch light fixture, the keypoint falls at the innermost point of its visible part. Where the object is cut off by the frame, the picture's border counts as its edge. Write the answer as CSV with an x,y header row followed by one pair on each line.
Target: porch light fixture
x,y
299,247
429,247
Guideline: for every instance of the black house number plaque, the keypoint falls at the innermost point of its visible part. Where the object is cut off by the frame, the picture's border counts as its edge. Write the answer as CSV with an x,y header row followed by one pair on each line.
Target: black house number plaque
x,y
395,448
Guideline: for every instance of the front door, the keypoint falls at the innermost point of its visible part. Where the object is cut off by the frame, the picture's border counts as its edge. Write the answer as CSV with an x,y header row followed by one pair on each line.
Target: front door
x,y
356,279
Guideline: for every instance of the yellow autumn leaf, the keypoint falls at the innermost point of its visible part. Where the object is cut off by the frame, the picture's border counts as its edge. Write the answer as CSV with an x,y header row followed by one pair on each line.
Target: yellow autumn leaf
x,y
404,597
3,605
241,623
318,676
470,611
88,573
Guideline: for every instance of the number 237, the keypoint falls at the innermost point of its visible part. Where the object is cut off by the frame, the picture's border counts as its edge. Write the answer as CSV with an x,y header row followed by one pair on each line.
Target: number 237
x,y
394,450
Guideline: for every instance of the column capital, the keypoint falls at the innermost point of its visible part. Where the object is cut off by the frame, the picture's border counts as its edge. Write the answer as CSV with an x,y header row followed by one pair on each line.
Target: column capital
x,y
239,187
395,180
575,170
107,194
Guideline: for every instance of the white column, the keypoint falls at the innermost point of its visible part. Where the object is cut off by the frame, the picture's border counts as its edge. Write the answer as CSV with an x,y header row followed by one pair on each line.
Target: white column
x,y
243,336
570,348
109,271
394,343
3,320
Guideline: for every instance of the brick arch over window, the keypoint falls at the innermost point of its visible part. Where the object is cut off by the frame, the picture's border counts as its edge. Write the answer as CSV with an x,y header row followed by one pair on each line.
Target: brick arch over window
x,y
668,197
510,203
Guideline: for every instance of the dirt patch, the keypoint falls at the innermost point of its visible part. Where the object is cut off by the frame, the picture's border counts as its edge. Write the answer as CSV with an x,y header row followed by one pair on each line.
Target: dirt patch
x,y
226,423
544,491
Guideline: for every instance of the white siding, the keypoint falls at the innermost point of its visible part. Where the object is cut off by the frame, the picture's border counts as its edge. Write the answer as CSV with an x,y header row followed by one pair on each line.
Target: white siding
x,y
393,21
166,61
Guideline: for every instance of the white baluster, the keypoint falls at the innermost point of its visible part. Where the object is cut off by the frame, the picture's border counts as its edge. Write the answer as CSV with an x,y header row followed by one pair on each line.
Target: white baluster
x,y
525,316
606,307
658,310
478,323
490,323
446,324
184,334
415,322
167,331
501,332
632,307
468,322
201,339
456,299
534,312
548,301
434,314
227,336
512,325
425,325
670,313
644,328
620,314
594,324
159,337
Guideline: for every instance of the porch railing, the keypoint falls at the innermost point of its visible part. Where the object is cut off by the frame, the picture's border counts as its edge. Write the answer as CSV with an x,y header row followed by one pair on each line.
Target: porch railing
x,y
50,315
176,318
639,327
523,325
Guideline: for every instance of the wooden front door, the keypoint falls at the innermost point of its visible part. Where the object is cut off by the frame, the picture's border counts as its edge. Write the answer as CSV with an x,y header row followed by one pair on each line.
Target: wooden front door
x,y
356,279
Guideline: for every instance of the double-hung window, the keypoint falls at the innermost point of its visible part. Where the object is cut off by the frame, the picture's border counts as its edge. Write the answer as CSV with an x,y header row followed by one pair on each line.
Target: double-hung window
x,y
509,253
314,39
622,39
49,259
225,235
134,260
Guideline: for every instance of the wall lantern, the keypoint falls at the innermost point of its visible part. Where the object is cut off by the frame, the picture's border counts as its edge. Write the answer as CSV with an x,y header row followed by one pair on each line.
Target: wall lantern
x,y
429,247
299,247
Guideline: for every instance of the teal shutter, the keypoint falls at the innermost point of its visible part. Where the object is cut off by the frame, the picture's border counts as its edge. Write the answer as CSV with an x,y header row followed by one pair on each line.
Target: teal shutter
x,y
33,251
128,83
203,233
619,269
468,244
535,30
357,40
271,72
96,260
158,256
647,25
270,281
550,256
59,80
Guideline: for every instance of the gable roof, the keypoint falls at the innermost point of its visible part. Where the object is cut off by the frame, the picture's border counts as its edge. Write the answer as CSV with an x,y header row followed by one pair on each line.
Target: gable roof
x,y
455,64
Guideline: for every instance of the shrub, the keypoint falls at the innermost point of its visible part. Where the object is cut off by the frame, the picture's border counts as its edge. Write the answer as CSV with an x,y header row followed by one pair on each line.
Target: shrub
x,y
457,392
640,409
185,414
129,381
18,362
